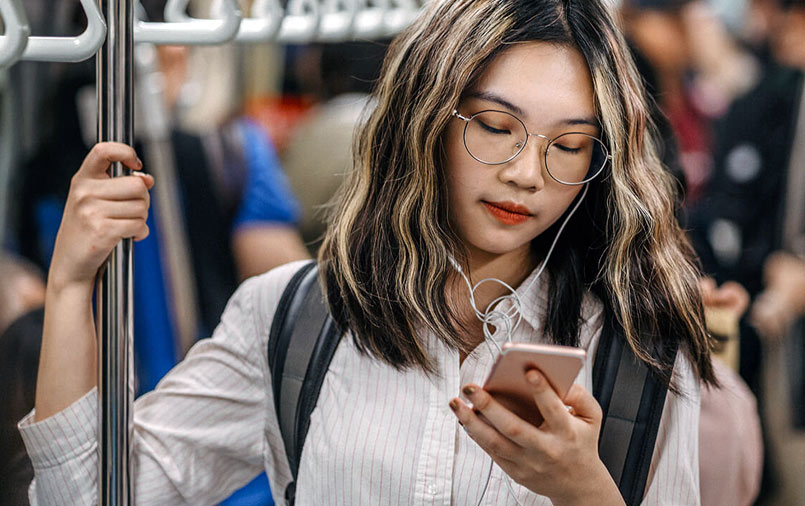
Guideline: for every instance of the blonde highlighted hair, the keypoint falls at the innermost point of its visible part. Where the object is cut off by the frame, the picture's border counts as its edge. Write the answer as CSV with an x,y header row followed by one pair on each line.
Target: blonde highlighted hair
x,y
384,258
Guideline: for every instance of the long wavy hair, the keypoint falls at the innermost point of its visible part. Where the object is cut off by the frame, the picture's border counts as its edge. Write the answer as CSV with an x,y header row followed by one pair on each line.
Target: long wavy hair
x,y
384,259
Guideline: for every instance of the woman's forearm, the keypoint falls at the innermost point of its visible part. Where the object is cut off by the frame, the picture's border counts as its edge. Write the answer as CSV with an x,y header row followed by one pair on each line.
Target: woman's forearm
x,y
99,212
67,364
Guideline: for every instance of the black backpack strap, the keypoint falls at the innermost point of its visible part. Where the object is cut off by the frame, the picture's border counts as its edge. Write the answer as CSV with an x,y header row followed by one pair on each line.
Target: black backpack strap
x,y
301,345
632,401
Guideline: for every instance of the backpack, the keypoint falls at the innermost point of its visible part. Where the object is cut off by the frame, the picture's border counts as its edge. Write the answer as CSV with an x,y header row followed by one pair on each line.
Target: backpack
x,y
303,339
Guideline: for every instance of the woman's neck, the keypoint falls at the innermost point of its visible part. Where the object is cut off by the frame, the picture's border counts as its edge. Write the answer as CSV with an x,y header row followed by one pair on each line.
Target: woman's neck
x,y
511,268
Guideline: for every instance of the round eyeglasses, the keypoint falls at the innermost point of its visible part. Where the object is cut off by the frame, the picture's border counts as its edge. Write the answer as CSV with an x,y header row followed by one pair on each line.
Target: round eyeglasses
x,y
496,137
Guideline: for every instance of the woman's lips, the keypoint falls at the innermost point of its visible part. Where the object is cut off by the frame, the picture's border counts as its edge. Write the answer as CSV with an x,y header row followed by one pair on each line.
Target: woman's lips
x,y
507,213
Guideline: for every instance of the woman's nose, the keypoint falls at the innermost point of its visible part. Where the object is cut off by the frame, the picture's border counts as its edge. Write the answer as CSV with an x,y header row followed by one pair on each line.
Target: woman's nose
x,y
527,169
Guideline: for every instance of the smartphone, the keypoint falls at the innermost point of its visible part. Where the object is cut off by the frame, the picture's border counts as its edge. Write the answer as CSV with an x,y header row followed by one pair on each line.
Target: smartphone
x,y
507,383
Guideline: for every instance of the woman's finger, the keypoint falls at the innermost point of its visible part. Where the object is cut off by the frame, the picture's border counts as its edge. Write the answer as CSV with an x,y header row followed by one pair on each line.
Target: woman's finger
x,y
551,407
735,297
127,209
583,404
487,437
122,188
502,419
126,228
103,154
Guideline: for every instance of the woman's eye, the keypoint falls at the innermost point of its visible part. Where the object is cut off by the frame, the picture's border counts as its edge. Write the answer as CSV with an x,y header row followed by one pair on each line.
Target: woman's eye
x,y
568,149
489,128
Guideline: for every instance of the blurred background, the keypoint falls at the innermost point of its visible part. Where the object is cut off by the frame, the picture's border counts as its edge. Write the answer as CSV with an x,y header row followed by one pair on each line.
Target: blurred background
x,y
249,143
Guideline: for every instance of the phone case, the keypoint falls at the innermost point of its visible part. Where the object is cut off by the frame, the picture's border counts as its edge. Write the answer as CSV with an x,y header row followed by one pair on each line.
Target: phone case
x,y
507,383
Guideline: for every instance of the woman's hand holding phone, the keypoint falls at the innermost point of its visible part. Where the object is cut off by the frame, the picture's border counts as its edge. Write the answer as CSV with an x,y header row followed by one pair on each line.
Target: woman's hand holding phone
x,y
559,459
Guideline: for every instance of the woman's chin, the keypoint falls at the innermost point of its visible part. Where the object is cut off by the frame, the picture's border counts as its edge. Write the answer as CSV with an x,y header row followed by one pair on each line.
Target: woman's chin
x,y
498,244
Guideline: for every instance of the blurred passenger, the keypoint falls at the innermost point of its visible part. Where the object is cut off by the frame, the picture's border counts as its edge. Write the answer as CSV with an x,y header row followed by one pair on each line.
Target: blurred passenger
x,y
782,301
730,439
754,204
664,41
238,209
319,154
750,224
22,297
693,69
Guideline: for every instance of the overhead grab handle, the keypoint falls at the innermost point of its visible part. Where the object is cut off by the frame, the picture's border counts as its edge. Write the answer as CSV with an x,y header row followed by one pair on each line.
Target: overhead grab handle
x,y
400,15
263,24
337,19
369,19
301,22
70,49
12,44
183,30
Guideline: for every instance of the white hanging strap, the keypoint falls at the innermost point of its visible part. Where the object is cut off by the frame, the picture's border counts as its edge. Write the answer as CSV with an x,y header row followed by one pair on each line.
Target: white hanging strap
x,y
263,23
337,19
181,29
12,44
301,22
69,49
400,15
369,21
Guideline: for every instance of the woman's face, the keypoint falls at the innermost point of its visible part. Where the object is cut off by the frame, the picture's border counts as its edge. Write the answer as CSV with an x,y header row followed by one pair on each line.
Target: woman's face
x,y
499,209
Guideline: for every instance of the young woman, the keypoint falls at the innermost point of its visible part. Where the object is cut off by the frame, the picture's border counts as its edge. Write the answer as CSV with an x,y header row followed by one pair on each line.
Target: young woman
x,y
500,126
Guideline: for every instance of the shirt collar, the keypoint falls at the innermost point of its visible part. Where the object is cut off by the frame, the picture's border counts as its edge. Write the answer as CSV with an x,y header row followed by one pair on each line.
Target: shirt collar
x,y
533,294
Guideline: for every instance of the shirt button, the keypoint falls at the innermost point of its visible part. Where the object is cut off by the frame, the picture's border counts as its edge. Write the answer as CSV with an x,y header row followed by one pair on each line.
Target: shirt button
x,y
432,490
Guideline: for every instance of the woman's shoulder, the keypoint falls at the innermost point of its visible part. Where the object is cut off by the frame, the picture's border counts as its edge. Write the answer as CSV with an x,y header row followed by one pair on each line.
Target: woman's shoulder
x,y
276,278
265,290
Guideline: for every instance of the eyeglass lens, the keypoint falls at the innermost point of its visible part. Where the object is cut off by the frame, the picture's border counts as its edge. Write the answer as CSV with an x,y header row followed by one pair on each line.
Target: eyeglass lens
x,y
495,137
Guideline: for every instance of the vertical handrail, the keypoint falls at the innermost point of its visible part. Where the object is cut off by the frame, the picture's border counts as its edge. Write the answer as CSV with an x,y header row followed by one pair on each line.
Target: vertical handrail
x,y
13,43
70,49
115,288
181,29
300,23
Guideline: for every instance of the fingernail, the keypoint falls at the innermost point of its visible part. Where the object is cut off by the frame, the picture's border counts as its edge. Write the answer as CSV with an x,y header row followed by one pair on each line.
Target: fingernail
x,y
469,390
139,162
534,377
454,405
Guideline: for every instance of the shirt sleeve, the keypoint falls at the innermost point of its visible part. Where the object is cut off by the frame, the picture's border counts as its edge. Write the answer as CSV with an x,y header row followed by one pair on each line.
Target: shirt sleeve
x,y
674,473
267,196
200,435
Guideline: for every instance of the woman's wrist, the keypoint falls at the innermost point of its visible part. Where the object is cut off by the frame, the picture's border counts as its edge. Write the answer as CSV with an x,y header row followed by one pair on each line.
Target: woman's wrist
x,y
59,285
597,486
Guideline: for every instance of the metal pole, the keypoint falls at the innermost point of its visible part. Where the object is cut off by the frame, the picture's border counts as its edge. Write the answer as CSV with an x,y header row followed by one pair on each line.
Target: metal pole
x,y
115,288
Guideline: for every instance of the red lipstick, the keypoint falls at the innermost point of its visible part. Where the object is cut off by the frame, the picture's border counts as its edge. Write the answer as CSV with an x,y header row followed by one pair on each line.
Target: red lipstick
x,y
508,213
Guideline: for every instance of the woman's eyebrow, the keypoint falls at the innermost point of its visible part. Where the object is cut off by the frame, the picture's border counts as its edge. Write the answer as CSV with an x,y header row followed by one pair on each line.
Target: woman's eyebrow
x,y
492,97
583,121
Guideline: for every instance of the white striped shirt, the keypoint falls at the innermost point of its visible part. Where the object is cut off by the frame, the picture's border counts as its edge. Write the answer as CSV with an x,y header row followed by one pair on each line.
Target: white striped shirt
x,y
377,436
